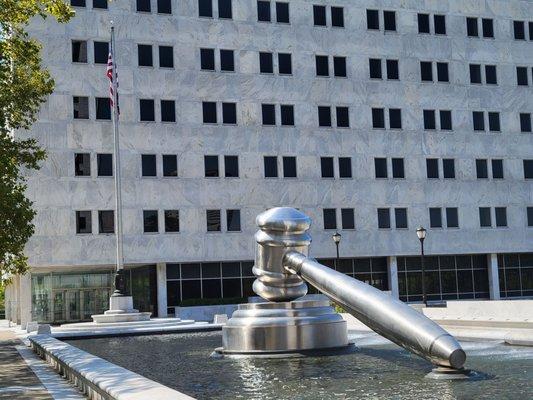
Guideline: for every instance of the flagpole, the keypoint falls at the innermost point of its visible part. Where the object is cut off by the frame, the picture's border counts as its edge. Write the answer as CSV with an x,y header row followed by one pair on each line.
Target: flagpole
x,y
119,277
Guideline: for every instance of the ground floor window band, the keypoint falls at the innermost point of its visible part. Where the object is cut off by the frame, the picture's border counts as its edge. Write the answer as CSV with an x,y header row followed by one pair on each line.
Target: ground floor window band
x,y
515,275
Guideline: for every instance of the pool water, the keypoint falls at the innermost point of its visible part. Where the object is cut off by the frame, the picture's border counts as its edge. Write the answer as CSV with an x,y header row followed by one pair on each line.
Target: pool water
x,y
377,369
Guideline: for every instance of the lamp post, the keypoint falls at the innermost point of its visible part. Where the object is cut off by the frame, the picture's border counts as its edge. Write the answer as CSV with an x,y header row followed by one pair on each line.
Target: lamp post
x,y
421,233
337,239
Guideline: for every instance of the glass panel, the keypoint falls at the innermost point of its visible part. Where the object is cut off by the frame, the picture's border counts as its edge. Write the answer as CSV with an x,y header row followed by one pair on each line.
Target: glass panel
x,y
210,270
231,288
231,269
189,271
448,281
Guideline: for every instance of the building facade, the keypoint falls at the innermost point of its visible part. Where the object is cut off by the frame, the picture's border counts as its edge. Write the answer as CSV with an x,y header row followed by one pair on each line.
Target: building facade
x,y
371,116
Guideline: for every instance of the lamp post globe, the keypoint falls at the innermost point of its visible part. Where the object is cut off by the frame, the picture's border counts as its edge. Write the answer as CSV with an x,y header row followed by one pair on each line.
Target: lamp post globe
x,y
337,239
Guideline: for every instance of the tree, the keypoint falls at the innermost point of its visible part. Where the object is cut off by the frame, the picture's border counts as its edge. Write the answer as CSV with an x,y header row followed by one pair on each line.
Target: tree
x,y
24,86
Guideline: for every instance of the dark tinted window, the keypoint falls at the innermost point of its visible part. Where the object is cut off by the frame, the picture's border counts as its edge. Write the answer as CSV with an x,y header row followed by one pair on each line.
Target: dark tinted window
x,y
103,108
100,4
440,24
211,166
374,65
166,57
530,216
446,120
395,117
207,59
172,221
326,166
378,118
319,15
383,218
372,19
488,28
452,217
337,17
82,164
530,30
429,119
497,169
343,117
475,73
106,221
287,115
268,112
479,122
263,11
231,166
519,32
345,167
101,52
205,8
423,23
209,111
481,169
435,218
271,167
168,111
432,167
448,168
213,220
389,18
525,122
148,165
380,165
147,109
347,217
77,3
83,222
227,62
229,113
501,216
490,74
266,66
164,6
80,107
104,163
143,5
170,165
398,168
494,121
285,63
79,51
330,218
150,221
145,55
426,71
339,66
442,72
471,27
322,67
528,169
282,12
400,215
521,76
289,167
224,9
233,220
392,69
324,116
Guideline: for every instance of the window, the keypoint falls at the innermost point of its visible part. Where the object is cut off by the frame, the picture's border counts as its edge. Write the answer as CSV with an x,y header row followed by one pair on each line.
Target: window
x,y
213,220
322,67
103,108
423,23
144,52
378,118
337,17
205,8
445,120
448,168
77,3
168,111
429,119
435,218
268,112
106,221
432,168
400,215
285,63
347,218
380,166
525,122
345,167
339,66
530,216
482,171
150,221
426,71
395,118
452,217
343,117
164,6
104,164
479,121
263,11
101,52
330,218
389,18
497,169
442,72
326,166
372,19
172,221
170,165
100,4
231,166
81,107
383,218
147,110
266,64
521,76
282,12
211,166
519,32
475,73
83,222
398,168
227,62
501,216
471,27
229,113
494,121
79,51
392,70
484,217
225,9
271,166
488,27
528,169
209,111
287,115
289,167
233,220
490,75
324,116
207,59
82,164
148,165
375,68
319,15
143,6
440,24
166,57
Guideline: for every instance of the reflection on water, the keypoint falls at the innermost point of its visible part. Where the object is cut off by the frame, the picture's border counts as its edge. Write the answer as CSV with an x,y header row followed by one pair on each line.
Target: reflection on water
x,y
376,370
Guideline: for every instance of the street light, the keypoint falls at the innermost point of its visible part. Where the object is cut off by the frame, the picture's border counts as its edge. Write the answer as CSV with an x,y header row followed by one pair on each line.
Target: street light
x,y
337,239
421,233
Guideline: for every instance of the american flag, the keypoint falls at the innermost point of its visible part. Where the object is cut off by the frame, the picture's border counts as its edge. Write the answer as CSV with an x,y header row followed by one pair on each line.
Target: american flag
x,y
111,74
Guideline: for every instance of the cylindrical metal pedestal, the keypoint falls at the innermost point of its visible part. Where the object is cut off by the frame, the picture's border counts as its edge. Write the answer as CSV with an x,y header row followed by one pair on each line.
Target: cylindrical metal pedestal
x,y
286,327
